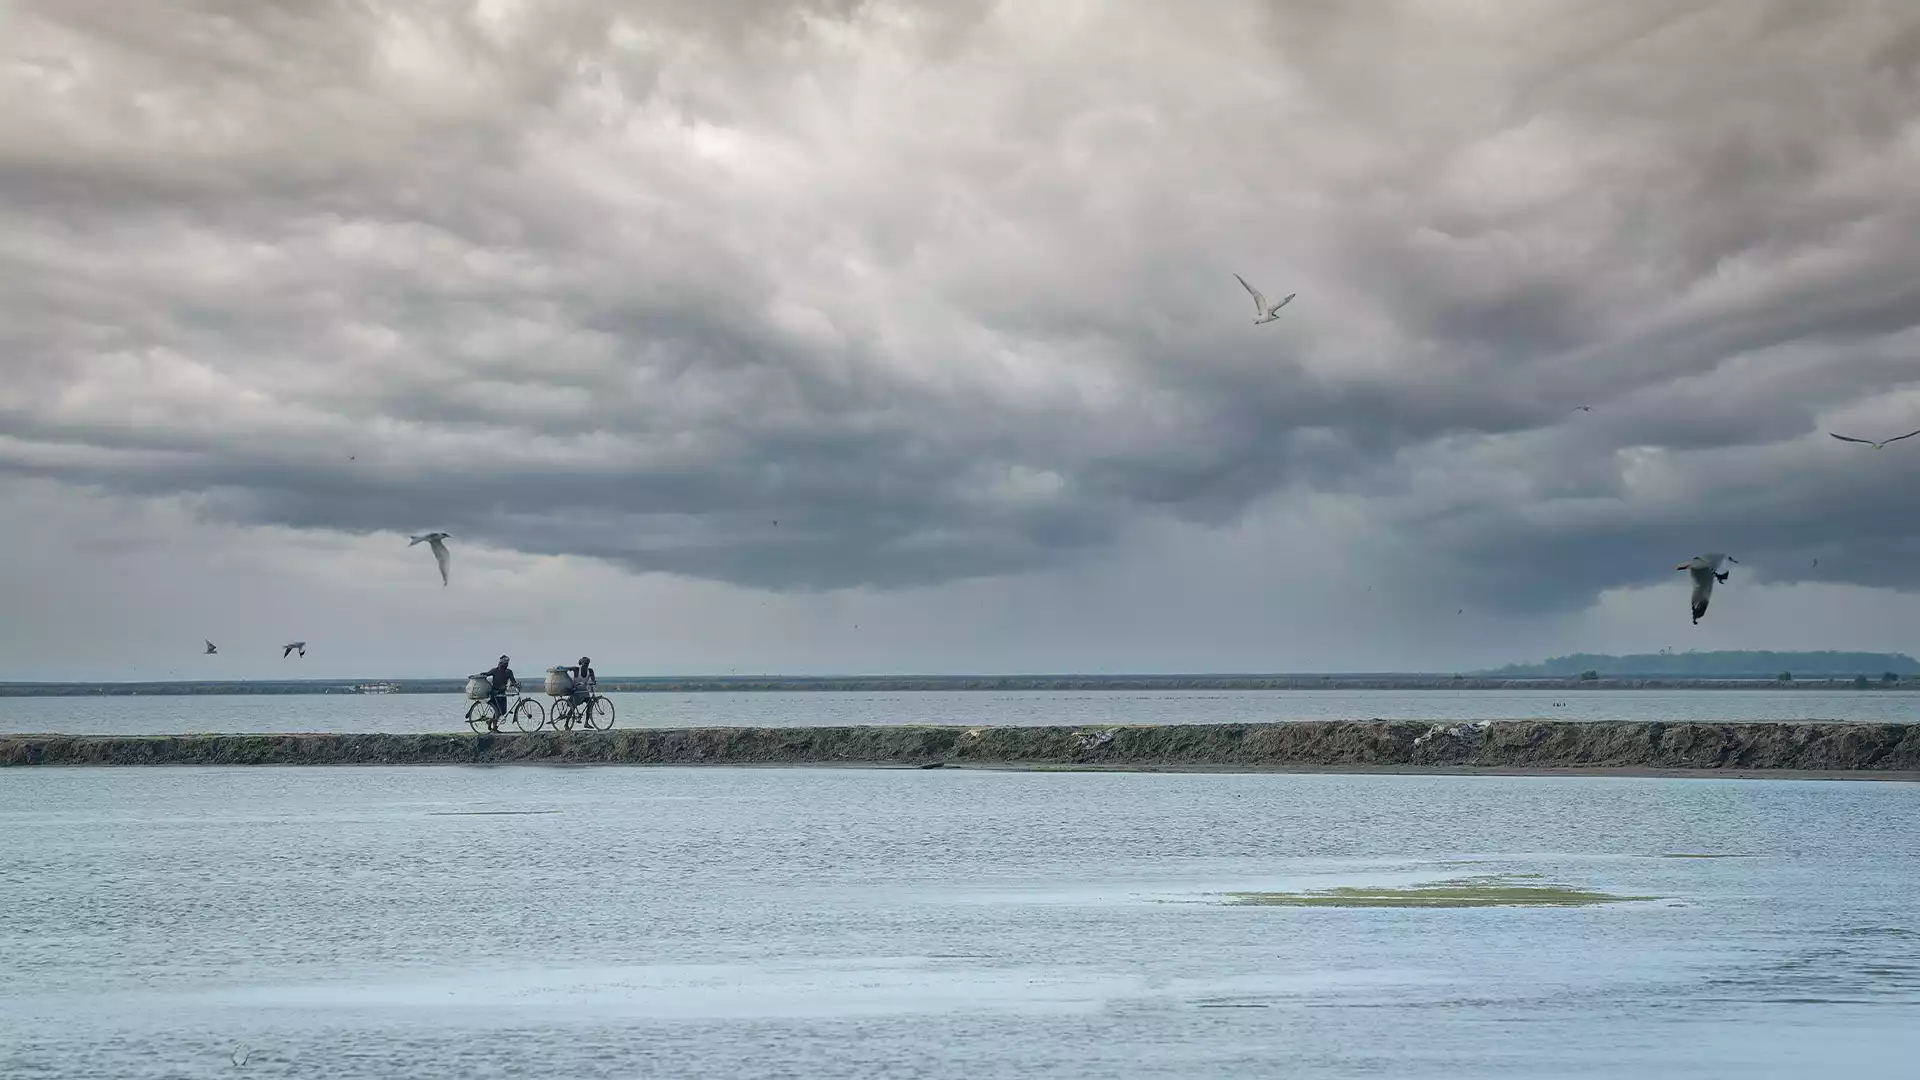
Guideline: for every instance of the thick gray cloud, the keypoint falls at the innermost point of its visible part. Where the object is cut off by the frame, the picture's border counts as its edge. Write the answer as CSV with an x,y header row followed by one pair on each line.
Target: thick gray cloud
x,y
945,290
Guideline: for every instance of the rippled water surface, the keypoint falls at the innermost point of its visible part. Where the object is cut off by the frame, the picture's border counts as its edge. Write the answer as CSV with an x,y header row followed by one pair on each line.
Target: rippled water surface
x,y
443,712
722,922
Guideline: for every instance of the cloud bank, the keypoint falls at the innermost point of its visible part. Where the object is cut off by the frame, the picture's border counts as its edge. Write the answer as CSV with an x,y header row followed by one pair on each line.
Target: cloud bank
x,y
813,296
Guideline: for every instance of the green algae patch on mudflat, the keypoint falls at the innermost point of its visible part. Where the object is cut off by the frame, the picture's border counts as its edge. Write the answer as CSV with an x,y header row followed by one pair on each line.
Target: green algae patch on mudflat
x,y
1471,893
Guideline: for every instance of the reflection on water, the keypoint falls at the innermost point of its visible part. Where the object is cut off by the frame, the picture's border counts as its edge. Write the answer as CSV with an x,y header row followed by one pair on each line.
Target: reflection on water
x,y
164,715
721,922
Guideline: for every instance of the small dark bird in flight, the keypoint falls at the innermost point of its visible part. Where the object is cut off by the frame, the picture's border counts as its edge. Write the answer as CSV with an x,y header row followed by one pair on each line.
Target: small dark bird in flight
x,y
1583,408
301,646
210,649
1876,445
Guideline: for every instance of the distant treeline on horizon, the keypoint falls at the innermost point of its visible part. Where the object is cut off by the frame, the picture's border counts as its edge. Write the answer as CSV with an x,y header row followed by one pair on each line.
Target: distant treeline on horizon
x,y
1729,664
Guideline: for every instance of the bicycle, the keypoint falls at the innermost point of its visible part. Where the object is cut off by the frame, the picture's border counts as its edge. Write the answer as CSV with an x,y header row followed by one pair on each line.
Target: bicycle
x,y
594,712
528,714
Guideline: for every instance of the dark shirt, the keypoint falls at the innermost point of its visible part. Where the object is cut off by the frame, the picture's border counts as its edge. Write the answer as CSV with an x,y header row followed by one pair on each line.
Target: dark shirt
x,y
502,676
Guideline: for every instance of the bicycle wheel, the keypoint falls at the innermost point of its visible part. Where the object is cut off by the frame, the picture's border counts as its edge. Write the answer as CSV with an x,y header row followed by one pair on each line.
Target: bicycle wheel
x,y
560,714
528,715
599,713
479,714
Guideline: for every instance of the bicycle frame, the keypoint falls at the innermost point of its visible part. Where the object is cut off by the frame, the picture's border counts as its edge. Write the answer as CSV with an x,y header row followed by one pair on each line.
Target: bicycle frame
x,y
569,711
500,714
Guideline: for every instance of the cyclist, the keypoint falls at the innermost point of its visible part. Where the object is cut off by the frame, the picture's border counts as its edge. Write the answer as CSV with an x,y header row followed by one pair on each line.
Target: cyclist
x,y
584,680
503,677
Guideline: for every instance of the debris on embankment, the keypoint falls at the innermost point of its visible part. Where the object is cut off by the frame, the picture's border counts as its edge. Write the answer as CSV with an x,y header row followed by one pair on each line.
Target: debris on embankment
x,y
1819,746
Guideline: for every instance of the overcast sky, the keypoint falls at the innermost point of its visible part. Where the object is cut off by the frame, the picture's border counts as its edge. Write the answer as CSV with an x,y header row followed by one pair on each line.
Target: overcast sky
x,y
903,337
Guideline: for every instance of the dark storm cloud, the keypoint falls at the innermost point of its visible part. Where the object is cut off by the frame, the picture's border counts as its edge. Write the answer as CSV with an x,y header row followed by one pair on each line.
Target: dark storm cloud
x,y
946,290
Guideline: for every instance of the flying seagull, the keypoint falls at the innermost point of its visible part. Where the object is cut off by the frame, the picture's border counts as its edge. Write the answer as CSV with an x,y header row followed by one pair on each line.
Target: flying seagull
x,y
1876,445
211,650
1263,312
1705,570
291,646
1583,408
436,541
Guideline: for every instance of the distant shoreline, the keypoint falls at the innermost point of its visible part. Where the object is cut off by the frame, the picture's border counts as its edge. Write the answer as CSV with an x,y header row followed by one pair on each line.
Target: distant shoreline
x,y
721,684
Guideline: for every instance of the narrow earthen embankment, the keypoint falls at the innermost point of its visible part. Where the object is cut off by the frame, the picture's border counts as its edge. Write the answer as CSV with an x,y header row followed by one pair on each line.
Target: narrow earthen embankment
x,y
1360,745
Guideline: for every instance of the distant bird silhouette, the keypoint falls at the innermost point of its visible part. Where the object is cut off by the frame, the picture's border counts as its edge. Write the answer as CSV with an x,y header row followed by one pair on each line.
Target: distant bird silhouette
x,y
440,556
211,650
1876,445
240,1055
291,647
1264,312
1583,408
1705,570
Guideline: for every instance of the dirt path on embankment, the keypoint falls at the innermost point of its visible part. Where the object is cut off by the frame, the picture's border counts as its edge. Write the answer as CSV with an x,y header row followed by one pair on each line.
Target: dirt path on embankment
x,y
1799,749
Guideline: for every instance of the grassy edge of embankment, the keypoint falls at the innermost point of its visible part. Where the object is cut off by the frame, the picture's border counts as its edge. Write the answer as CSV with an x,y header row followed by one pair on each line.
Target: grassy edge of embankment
x,y
1555,747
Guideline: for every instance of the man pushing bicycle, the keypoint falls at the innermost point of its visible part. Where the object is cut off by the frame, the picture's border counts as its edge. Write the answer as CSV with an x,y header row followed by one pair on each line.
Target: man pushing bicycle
x,y
584,680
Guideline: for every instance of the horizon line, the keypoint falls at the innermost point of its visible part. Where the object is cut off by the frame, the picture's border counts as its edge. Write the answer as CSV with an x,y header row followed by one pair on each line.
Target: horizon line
x,y
975,676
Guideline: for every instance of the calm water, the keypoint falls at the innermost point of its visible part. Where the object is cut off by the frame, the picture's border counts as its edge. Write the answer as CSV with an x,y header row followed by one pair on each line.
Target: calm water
x,y
718,922
437,712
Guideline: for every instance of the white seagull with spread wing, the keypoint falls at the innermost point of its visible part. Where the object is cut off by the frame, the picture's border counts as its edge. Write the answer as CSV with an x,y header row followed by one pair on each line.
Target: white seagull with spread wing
x,y
1705,570
1263,312
436,541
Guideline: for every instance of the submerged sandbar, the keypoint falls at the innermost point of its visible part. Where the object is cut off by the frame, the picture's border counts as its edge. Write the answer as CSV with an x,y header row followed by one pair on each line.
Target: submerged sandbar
x,y
1455,893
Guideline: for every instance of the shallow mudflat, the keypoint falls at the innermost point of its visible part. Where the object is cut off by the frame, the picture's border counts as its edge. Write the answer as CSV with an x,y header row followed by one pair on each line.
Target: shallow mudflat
x,y
603,923
1737,748
438,714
